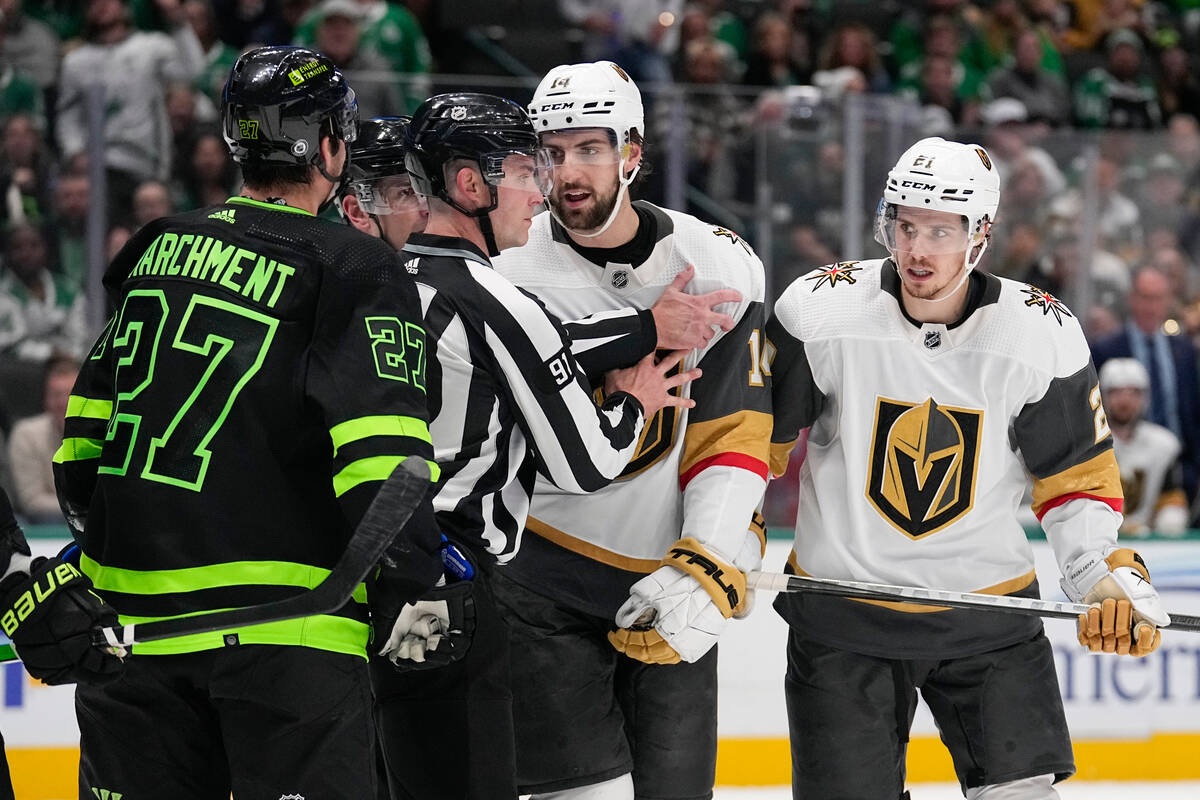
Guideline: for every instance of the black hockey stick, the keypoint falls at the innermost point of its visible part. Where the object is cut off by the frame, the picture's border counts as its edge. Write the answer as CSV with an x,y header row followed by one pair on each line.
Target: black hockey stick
x,y
777,582
394,503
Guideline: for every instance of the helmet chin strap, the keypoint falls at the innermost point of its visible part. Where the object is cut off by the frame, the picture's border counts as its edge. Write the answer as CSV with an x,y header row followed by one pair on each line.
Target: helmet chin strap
x,y
483,218
612,215
338,182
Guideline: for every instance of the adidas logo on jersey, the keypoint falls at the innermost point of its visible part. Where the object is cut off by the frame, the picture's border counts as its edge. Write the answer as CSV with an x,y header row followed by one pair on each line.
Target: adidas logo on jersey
x,y
225,215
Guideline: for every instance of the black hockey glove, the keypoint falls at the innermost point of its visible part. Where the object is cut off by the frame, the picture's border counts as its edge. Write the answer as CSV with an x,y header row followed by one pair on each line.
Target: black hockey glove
x,y
49,614
435,629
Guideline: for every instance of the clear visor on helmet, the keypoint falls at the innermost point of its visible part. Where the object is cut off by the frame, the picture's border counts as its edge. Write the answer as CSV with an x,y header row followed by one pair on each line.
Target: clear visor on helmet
x,y
528,170
587,147
392,194
921,231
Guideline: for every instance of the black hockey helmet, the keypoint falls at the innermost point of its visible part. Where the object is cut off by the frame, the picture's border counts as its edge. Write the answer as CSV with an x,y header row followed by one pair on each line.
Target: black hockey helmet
x,y
478,127
376,175
378,149
481,128
276,100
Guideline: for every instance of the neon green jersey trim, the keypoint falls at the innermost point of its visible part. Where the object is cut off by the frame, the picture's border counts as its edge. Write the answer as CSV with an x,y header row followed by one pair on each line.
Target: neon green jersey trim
x,y
384,425
78,449
88,407
249,201
212,576
376,468
321,632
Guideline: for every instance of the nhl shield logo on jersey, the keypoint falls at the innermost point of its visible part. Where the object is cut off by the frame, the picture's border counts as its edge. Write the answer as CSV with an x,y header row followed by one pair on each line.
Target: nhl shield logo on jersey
x,y
842,272
619,279
924,458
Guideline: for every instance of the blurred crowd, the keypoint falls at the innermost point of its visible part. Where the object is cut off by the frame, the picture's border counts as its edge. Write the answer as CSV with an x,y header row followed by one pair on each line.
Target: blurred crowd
x,y
1089,109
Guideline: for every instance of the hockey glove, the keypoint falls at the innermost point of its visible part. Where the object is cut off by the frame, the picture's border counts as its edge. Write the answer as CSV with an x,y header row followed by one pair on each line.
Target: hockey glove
x,y
678,611
49,614
437,628
1126,611
434,631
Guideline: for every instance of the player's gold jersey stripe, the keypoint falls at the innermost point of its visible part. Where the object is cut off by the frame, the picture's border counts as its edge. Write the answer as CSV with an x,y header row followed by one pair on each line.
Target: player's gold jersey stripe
x,y
1098,477
592,551
746,432
1002,588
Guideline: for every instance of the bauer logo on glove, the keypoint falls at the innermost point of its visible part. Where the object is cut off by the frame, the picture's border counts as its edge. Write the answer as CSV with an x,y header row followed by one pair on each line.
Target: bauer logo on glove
x,y
60,575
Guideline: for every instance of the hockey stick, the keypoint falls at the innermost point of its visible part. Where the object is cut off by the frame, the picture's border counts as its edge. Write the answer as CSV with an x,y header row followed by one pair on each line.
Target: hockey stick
x,y
394,503
778,582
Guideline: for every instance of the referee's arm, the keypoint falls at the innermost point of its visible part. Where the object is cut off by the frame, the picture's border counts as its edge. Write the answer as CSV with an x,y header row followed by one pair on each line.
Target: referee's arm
x,y
580,446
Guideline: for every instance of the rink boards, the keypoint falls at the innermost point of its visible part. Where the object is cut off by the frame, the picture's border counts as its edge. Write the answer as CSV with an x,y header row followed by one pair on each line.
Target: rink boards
x,y
1130,718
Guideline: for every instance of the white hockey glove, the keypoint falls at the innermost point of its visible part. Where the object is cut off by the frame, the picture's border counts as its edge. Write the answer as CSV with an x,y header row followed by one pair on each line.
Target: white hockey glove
x,y
1126,611
688,600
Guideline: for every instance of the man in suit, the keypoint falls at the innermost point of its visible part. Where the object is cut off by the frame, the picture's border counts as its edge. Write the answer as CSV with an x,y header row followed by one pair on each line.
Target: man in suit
x,y
1170,361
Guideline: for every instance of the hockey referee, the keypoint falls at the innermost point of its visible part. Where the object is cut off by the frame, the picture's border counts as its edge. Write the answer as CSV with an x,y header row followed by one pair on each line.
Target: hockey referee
x,y
507,400
263,374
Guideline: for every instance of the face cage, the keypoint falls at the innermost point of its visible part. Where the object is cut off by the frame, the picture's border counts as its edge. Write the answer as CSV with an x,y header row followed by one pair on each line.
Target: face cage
x,y
390,194
541,175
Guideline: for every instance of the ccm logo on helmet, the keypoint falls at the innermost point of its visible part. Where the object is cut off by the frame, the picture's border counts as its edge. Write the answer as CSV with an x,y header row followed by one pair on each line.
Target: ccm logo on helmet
x,y
555,107
920,187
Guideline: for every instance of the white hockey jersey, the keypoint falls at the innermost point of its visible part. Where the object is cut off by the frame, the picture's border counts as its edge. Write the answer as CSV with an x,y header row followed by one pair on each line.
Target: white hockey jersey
x,y
1151,480
921,439
698,472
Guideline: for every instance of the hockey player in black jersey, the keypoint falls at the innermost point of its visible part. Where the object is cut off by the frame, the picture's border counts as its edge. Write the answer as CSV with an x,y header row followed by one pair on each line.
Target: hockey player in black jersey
x,y
48,610
263,374
378,197
934,391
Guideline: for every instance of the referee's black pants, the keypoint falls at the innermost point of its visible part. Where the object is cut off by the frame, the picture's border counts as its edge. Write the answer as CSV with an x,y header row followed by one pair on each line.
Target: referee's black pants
x,y
447,732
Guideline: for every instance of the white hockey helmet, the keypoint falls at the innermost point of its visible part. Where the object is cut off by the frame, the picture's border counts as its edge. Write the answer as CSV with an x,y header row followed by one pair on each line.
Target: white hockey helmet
x,y
1124,373
595,95
592,95
943,176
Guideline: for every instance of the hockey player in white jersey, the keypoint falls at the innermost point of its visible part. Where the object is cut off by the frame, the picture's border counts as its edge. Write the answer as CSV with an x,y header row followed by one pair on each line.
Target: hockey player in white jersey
x,y
931,388
1147,454
671,537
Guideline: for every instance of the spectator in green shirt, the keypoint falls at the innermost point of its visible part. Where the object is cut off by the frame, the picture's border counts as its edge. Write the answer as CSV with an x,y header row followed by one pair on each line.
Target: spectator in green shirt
x,y
388,30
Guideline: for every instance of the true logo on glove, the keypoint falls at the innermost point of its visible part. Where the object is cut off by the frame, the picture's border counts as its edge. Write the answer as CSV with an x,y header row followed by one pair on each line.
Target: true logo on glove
x,y
29,599
711,569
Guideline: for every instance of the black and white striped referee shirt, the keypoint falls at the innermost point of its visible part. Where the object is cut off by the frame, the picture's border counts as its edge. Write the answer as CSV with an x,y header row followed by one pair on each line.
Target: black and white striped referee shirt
x,y
507,398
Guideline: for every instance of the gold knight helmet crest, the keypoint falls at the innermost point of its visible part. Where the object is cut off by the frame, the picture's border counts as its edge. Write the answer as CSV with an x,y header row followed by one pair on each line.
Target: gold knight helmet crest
x,y
923,464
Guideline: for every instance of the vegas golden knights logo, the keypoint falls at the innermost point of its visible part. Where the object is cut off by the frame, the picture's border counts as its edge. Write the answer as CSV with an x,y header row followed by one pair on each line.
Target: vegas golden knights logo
x,y
658,434
924,459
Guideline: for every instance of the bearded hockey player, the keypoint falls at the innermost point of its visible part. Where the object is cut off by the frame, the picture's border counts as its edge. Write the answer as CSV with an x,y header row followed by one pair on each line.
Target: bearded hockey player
x,y
636,549
931,388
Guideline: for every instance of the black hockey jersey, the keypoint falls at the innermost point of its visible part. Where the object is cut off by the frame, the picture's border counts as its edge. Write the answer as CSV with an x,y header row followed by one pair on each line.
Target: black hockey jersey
x,y
263,373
